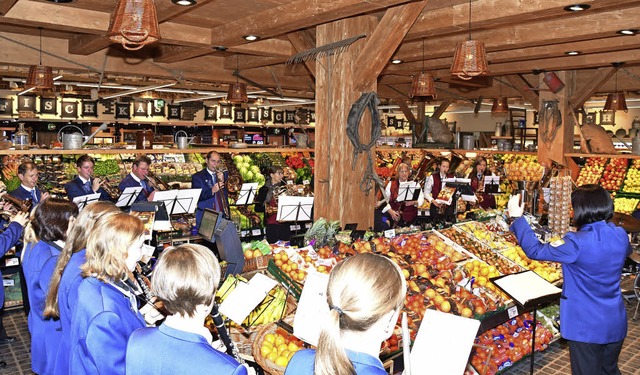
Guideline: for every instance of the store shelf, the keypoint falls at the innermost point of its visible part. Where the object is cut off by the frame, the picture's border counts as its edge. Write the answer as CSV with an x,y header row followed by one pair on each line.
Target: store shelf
x,y
581,155
94,151
458,151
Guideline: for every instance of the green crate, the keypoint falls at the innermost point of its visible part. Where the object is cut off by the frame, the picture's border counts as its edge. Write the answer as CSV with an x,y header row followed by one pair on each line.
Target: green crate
x,y
294,288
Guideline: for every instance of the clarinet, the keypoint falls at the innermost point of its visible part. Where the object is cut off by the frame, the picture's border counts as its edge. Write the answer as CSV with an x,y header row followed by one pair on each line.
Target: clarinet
x,y
143,283
232,350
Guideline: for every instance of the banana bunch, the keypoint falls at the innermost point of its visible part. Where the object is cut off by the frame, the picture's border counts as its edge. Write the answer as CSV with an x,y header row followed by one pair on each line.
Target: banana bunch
x,y
228,286
269,310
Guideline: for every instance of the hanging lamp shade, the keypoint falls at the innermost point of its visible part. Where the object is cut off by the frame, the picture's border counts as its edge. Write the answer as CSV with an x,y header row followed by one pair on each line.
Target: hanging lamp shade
x,y
237,93
423,86
616,102
134,24
500,105
469,60
40,77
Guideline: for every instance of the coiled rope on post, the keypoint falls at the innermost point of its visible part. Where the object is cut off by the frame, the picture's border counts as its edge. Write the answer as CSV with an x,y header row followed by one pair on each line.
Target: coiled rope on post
x,y
368,100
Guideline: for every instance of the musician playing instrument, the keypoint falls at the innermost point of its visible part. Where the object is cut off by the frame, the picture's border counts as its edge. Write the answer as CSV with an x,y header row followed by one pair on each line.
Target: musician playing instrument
x,y
402,213
138,177
212,180
28,175
185,279
477,182
84,183
267,202
438,211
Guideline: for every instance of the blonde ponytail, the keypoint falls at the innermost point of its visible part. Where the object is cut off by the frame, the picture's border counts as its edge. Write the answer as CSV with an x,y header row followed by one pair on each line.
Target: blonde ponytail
x,y
331,357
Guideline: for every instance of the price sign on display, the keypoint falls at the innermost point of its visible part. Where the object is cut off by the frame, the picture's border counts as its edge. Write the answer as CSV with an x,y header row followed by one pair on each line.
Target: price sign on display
x,y
513,312
390,233
256,232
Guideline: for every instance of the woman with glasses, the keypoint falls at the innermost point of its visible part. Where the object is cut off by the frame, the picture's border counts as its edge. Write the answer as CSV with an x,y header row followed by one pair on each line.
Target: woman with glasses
x,y
267,202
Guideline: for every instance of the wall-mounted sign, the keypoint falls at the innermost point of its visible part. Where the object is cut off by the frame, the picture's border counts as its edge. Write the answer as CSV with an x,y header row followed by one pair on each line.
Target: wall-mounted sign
x,y
27,103
123,110
265,114
89,108
290,117
239,114
6,106
157,107
278,117
211,113
253,115
174,112
225,111
49,106
391,122
69,109
141,108
108,105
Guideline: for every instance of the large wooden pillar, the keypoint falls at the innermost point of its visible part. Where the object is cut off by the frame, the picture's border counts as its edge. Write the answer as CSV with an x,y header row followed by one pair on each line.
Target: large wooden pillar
x,y
563,142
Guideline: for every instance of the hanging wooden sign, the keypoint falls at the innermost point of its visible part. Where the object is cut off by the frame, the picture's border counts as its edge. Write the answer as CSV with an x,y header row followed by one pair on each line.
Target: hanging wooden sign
x,y
290,117
239,114
265,114
123,110
27,103
225,111
211,113
6,106
175,112
391,121
69,109
253,115
49,106
141,108
89,108
108,105
157,107
278,117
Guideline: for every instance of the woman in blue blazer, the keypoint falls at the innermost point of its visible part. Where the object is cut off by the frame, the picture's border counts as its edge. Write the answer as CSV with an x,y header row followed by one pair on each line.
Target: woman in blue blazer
x,y
365,295
62,296
107,310
48,232
592,314
185,280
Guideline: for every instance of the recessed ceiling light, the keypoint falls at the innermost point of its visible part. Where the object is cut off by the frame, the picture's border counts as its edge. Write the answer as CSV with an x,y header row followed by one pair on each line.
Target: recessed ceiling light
x,y
184,3
396,61
60,1
572,53
577,7
251,38
628,31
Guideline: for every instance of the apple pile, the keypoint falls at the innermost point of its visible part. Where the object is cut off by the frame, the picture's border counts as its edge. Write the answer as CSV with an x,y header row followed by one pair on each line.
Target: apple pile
x,y
632,180
614,174
549,271
484,234
625,205
525,169
591,172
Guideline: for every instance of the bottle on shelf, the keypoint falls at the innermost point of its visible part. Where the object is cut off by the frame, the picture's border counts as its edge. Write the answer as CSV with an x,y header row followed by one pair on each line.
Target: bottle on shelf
x,y
21,138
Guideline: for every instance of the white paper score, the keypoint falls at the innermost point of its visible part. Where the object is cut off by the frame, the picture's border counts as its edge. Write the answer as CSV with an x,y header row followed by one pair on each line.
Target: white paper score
x,y
312,308
246,296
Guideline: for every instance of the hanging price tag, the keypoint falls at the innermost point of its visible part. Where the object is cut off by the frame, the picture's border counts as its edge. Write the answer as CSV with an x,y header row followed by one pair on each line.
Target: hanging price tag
x,y
390,233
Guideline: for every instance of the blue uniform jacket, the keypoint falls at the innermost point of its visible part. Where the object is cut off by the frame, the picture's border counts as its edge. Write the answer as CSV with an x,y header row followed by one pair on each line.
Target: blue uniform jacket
x,y
302,363
176,352
75,188
8,239
591,307
38,264
22,193
101,324
205,181
129,181
67,300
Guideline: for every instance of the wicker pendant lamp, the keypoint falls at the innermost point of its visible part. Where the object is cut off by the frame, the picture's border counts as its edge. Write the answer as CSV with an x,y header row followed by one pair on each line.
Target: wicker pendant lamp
x,y
470,58
134,24
423,85
500,105
616,101
40,77
237,91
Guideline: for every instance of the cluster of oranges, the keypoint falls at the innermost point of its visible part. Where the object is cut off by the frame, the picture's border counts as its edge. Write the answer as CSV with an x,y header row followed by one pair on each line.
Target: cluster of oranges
x,y
290,267
279,346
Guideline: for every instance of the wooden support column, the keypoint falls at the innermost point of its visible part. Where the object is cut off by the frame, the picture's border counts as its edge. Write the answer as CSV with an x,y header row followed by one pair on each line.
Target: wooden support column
x,y
563,141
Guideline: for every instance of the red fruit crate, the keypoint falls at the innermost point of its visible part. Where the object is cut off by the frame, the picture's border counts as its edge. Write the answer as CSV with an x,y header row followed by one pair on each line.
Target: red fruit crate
x,y
258,263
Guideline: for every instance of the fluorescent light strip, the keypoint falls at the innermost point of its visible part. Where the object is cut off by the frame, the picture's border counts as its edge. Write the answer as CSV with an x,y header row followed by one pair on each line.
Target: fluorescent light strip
x,y
286,104
215,96
138,90
34,87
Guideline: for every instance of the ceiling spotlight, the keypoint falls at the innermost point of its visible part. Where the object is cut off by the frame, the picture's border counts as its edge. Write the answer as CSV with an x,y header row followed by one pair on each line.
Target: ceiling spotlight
x,y
184,3
396,61
628,32
572,53
251,38
220,48
60,1
577,7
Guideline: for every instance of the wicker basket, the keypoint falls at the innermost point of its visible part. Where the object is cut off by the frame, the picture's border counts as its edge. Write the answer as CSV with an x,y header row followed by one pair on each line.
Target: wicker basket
x,y
268,366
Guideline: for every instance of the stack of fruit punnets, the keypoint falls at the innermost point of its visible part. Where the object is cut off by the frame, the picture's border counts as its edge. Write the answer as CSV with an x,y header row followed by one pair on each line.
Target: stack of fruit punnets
x,y
484,234
632,180
625,205
591,172
525,169
614,174
549,271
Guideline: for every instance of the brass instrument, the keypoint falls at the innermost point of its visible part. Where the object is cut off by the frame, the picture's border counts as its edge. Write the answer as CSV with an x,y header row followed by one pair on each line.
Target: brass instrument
x,y
112,191
225,202
18,204
156,182
277,192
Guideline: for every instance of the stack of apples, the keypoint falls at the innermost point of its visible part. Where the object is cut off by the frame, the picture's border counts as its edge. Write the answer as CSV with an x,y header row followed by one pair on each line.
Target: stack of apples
x,y
278,347
632,181
614,174
591,172
625,205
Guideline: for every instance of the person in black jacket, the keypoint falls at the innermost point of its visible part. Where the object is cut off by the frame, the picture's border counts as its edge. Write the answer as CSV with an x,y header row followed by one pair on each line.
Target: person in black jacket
x,y
267,202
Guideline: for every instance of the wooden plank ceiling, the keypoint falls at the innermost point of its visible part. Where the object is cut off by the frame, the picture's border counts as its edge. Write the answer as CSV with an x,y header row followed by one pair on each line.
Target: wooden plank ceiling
x,y
521,37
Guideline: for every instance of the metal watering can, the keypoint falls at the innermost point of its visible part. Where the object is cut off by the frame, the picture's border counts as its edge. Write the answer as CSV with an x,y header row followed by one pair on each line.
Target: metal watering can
x,y
183,141
75,141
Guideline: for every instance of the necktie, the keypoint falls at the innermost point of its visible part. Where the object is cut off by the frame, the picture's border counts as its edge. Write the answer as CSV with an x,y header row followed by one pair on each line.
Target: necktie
x,y
217,197
87,187
34,196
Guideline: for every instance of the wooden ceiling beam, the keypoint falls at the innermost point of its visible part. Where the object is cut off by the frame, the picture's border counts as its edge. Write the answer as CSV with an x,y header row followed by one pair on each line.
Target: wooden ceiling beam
x,y
171,54
295,15
598,79
88,44
166,10
442,108
406,111
267,47
251,62
524,88
6,5
302,41
385,39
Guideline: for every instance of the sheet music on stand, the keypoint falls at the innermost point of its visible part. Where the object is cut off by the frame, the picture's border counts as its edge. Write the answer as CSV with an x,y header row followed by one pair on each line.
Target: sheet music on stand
x,y
177,202
292,208
247,193
83,200
407,191
492,184
128,196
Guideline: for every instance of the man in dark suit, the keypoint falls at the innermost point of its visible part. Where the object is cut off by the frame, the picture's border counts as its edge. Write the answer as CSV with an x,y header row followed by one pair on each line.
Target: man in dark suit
x,y
83,184
138,177
28,175
214,191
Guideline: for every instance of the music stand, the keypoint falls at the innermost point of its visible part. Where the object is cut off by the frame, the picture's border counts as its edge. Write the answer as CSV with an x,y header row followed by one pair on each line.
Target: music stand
x,y
291,208
83,200
247,194
408,191
492,184
177,202
128,196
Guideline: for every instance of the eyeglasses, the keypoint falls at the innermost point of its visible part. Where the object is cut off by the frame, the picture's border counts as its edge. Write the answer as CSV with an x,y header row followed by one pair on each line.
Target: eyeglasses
x,y
215,160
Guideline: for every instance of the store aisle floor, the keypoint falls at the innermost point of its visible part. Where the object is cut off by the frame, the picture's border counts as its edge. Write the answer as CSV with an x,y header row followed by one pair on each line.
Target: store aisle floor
x,y
554,361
